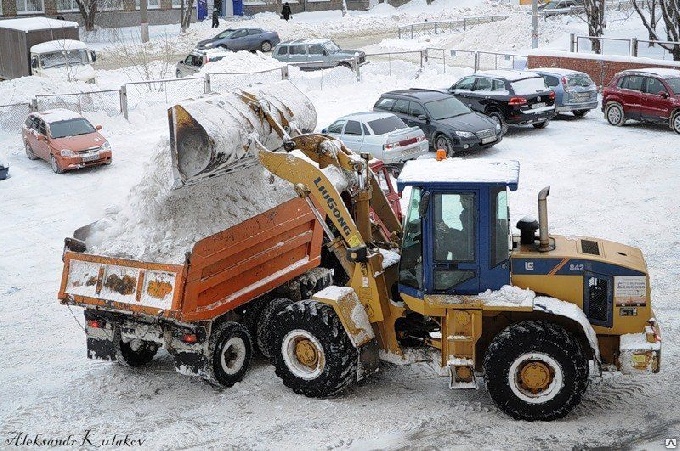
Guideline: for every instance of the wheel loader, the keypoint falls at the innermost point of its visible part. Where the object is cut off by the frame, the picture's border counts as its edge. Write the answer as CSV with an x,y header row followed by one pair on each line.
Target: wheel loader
x,y
332,283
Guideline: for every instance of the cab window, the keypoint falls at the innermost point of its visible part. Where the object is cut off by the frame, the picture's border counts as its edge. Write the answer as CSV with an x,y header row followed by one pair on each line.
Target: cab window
x,y
500,230
411,263
353,128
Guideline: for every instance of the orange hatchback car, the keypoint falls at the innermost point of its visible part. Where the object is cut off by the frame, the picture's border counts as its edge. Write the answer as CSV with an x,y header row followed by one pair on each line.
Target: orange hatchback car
x,y
66,139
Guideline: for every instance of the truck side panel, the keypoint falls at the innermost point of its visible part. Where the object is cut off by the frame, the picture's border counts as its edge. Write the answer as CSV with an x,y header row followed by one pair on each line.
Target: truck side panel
x,y
245,261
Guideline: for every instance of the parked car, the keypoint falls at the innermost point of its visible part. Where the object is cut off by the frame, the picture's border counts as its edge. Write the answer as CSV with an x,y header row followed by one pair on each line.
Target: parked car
x,y
195,61
575,91
242,39
559,7
381,134
646,95
446,122
4,170
66,139
314,54
508,97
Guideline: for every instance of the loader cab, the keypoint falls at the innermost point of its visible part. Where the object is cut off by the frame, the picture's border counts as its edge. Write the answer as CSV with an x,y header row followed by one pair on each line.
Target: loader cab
x,y
456,227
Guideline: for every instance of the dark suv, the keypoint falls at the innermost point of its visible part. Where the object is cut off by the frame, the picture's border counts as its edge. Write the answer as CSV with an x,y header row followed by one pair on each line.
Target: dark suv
x,y
647,95
507,96
446,122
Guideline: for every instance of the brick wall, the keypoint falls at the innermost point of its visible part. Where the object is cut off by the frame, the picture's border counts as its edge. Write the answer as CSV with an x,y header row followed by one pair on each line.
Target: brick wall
x,y
600,68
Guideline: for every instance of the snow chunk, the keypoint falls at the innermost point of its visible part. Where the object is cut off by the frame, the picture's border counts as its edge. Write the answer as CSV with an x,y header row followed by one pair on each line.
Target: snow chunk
x,y
508,296
58,46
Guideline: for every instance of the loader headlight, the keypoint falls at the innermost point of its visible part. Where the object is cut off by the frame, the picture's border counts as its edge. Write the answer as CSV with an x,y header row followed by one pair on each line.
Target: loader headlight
x,y
67,153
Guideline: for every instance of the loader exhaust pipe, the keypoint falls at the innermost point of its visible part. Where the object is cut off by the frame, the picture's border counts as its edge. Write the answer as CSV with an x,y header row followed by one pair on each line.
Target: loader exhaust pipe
x,y
543,238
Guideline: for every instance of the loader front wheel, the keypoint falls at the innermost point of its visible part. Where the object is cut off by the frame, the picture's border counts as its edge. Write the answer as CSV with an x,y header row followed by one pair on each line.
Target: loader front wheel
x,y
137,352
316,357
265,333
536,371
231,351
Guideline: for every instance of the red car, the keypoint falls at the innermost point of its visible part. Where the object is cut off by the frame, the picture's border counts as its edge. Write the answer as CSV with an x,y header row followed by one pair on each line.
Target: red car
x,y
646,95
65,139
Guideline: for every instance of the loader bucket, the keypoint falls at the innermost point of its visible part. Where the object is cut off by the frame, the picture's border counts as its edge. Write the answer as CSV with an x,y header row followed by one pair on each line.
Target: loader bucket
x,y
215,134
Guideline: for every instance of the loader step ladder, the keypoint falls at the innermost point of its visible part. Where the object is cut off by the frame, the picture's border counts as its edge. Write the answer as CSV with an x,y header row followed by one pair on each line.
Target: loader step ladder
x,y
463,328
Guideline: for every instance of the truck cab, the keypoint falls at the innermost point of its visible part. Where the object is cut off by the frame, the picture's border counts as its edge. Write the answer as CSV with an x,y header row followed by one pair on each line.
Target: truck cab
x,y
66,59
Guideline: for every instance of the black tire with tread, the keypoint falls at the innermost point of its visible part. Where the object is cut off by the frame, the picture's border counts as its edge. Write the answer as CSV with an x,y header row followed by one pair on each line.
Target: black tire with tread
x,y
265,335
621,117
497,116
55,165
541,125
675,122
580,113
266,46
234,339
140,357
339,355
542,337
29,152
444,142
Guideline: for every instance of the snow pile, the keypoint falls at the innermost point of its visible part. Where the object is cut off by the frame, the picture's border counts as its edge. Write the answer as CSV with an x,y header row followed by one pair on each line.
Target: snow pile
x,y
242,62
508,296
160,224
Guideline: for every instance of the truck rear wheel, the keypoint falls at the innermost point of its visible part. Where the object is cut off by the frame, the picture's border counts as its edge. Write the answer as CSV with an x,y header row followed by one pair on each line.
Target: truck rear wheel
x,y
230,350
265,335
137,352
536,371
316,357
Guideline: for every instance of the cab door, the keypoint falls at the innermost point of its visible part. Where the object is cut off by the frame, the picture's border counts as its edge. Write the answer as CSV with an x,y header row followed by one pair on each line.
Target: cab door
x,y
655,102
452,251
42,146
353,135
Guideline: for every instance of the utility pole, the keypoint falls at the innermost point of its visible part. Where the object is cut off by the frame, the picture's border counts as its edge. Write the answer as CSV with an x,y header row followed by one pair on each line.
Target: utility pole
x,y
145,20
534,24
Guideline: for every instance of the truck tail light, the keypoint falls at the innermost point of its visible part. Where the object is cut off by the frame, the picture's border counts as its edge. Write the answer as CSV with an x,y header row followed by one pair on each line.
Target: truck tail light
x,y
189,338
552,95
95,323
516,101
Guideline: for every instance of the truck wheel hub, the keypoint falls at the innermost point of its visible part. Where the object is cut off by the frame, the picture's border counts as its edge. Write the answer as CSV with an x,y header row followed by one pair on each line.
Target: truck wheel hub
x,y
306,353
535,376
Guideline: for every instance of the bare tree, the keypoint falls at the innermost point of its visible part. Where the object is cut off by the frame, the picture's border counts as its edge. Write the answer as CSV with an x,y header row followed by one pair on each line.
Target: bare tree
x,y
88,9
186,14
670,13
594,10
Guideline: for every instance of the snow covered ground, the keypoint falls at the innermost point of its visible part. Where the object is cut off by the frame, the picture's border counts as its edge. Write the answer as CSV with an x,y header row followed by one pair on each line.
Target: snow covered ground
x,y
615,183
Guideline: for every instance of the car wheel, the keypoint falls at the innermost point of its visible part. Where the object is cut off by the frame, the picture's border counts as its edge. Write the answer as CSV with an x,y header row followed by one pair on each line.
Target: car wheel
x,y
444,142
345,64
543,124
497,117
580,113
178,74
266,46
55,165
614,114
29,151
675,122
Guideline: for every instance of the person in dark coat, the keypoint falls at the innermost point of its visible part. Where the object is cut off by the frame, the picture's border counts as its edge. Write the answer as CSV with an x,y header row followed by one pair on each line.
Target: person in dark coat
x,y
215,17
285,12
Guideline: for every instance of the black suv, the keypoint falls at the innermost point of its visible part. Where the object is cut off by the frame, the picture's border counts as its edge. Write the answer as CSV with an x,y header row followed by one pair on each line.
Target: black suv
x,y
446,122
508,97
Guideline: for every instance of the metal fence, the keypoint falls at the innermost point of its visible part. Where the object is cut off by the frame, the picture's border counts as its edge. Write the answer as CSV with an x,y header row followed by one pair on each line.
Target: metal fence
x,y
224,81
427,28
622,46
107,101
155,92
13,116
478,59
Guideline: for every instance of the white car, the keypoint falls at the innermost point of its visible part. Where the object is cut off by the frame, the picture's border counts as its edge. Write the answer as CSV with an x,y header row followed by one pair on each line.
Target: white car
x,y
381,134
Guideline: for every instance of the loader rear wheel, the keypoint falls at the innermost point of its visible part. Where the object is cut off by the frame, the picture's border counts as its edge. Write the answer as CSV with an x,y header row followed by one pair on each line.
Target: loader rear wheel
x,y
230,350
536,371
137,352
265,335
316,357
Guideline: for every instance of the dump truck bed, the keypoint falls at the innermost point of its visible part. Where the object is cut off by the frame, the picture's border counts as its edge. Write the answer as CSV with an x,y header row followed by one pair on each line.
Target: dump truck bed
x,y
222,272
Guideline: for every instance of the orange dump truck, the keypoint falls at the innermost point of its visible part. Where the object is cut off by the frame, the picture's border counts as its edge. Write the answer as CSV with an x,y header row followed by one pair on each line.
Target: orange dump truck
x,y
201,311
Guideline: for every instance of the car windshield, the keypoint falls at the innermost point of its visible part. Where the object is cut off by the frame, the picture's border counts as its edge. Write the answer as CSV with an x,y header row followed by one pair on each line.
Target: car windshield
x,y
386,124
448,107
579,80
71,127
674,83
331,47
528,85
64,57
225,33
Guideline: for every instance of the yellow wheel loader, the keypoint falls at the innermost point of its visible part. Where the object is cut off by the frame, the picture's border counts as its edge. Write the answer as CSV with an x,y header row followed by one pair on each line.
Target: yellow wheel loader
x,y
533,314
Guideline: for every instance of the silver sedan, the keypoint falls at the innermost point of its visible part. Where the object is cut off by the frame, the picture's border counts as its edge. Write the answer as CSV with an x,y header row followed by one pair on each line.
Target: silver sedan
x,y
381,134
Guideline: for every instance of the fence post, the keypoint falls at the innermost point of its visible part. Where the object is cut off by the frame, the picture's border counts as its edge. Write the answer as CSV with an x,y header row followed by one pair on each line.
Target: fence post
x,y
355,66
435,28
411,31
634,47
123,101
476,60
399,32
34,104
284,72
206,83
423,57
572,37
463,23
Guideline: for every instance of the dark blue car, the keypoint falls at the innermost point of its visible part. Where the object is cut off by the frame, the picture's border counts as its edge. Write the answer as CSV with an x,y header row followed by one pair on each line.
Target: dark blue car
x,y
242,39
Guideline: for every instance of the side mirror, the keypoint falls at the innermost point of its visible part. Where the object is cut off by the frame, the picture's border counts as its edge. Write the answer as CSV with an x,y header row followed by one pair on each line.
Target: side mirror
x,y
663,94
34,62
98,127
424,203
93,56
325,53
325,130
422,117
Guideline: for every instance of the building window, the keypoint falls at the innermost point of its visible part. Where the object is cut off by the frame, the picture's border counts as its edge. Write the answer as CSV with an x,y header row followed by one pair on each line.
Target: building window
x,y
151,4
67,5
109,5
30,6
